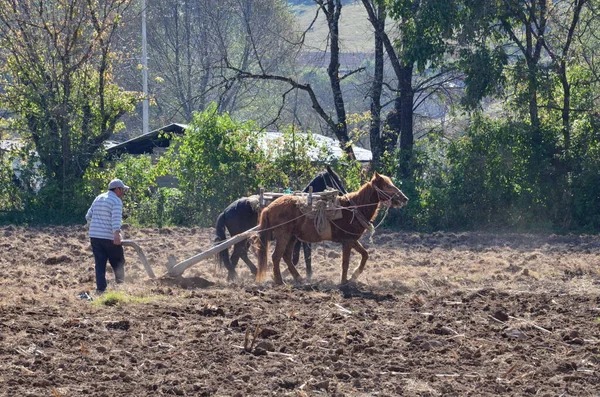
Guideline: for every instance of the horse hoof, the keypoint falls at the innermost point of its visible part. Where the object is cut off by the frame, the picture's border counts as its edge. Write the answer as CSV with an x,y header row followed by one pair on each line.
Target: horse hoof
x,y
354,278
232,277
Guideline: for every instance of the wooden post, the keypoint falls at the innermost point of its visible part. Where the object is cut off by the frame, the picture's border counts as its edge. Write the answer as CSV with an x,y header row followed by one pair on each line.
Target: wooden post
x,y
310,197
261,200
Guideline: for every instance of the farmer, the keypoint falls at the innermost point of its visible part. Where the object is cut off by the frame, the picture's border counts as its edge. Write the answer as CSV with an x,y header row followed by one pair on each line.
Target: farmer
x,y
104,219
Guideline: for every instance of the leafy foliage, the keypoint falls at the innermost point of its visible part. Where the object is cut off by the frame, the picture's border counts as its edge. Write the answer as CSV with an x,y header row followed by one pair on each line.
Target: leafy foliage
x,y
586,174
9,192
141,204
483,68
490,178
425,26
59,85
216,162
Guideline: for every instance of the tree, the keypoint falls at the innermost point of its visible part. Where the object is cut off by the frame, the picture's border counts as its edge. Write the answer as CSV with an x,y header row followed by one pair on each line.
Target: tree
x,y
424,29
547,39
559,43
59,83
332,10
186,41
376,12
262,70
526,24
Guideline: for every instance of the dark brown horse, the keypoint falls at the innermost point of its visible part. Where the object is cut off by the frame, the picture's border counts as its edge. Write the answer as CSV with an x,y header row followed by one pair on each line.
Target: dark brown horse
x,y
285,222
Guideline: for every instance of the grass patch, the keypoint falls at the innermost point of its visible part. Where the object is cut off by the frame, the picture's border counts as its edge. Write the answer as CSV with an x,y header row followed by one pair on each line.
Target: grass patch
x,y
114,298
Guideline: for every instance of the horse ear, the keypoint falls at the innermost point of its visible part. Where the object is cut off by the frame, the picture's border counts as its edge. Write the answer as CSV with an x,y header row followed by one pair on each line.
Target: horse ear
x,y
375,175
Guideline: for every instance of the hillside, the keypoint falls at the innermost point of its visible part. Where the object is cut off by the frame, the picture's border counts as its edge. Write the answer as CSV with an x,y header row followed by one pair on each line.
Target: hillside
x,y
355,29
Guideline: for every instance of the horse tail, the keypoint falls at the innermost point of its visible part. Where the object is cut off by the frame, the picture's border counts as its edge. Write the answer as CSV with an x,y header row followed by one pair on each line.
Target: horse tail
x,y
262,245
223,256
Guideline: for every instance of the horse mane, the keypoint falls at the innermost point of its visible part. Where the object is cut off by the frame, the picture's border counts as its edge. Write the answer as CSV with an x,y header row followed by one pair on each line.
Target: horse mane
x,y
360,197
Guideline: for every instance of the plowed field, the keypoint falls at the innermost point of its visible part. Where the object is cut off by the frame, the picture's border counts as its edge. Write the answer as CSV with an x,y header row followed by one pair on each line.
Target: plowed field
x,y
438,314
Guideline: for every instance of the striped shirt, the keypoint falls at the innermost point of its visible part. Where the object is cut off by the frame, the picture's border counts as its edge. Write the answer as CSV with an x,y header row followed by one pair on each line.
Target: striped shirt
x,y
104,216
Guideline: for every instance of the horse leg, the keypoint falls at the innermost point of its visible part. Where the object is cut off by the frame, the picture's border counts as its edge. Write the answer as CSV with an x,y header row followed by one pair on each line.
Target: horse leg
x,y
249,262
346,248
308,259
296,254
281,244
365,255
287,257
235,256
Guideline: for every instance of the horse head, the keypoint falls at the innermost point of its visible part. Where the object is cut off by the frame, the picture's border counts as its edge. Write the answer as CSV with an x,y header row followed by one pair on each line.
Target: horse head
x,y
327,179
387,192
335,181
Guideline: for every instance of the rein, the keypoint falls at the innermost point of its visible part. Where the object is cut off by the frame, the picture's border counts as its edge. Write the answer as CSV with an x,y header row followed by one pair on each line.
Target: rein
x,y
386,195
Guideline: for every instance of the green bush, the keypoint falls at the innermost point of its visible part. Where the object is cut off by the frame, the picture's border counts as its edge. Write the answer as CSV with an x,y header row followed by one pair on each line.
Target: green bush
x,y
585,175
215,162
10,199
490,178
164,207
140,204
219,160
427,189
495,179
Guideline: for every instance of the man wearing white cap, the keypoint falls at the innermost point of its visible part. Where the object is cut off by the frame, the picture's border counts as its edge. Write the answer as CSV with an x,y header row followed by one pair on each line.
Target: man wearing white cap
x,y
104,218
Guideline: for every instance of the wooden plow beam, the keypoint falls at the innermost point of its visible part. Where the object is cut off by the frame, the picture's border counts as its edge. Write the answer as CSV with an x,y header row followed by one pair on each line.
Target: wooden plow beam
x,y
176,269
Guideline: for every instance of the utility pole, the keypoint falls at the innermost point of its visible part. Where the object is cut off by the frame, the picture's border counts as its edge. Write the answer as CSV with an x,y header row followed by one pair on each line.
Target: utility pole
x,y
144,72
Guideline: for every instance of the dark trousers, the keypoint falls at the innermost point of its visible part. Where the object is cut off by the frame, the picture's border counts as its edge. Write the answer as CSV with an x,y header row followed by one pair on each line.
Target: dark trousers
x,y
104,250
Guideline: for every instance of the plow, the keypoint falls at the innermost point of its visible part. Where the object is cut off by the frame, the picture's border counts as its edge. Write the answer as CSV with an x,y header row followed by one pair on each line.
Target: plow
x,y
176,269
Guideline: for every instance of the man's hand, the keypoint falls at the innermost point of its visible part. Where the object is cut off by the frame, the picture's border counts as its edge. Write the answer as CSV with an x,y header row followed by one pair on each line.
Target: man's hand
x,y
117,238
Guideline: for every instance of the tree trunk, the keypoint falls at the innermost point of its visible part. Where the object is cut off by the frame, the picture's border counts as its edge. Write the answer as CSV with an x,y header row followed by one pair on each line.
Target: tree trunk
x,y
566,113
334,8
406,122
376,135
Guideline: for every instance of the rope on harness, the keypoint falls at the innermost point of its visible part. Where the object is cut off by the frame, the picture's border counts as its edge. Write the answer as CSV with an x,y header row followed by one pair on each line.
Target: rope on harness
x,y
321,219
323,210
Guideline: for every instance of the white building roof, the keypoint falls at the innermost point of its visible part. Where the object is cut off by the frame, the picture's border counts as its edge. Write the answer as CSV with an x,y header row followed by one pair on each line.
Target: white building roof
x,y
8,145
333,146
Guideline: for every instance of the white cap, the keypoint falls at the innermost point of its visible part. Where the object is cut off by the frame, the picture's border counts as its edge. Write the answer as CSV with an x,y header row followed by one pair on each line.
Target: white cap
x,y
115,183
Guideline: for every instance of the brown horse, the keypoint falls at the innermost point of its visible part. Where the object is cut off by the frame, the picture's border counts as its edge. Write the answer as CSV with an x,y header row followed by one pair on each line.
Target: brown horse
x,y
284,221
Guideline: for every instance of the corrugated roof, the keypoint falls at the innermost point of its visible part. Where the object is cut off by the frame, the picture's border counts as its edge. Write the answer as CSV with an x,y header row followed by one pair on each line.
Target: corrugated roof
x,y
145,143
333,146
